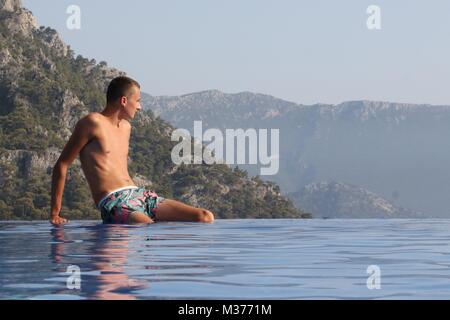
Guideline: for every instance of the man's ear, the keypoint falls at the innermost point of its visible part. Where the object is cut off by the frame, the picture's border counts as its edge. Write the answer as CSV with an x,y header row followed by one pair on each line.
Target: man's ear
x,y
123,101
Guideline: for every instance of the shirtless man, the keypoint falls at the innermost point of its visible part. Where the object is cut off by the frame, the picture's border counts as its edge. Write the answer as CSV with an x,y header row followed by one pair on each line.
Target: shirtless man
x,y
102,140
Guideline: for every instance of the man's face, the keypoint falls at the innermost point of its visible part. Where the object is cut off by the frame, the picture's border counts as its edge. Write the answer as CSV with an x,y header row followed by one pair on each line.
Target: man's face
x,y
132,104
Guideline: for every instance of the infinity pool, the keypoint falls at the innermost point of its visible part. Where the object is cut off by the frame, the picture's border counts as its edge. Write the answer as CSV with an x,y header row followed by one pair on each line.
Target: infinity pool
x,y
230,259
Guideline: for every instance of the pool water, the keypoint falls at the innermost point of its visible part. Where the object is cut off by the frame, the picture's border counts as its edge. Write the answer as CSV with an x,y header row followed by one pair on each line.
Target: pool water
x,y
230,259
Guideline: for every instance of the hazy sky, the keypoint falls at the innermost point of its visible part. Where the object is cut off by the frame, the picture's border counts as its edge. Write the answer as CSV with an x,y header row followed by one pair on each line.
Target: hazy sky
x,y
303,51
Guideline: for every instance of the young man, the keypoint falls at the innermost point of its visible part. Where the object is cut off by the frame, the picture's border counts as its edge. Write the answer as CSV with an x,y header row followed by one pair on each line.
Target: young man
x,y
102,140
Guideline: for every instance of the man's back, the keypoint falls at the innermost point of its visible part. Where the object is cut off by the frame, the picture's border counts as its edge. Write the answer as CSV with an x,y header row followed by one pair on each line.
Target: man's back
x,y
104,158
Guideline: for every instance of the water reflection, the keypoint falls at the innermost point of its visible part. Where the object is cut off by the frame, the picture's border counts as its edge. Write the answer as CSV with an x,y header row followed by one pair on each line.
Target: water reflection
x,y
57,247
105,259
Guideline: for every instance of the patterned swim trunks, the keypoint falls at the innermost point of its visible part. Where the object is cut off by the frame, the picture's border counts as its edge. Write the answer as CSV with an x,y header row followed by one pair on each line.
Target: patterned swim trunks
x,y
117,206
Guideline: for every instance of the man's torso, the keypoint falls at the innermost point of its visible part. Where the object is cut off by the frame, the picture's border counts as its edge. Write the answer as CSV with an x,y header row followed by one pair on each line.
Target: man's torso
x,y
105,158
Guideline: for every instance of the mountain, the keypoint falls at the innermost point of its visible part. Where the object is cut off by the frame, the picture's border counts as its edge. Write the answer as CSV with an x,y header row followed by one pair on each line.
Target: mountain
x,y
335,200
214,106
399,151
45,89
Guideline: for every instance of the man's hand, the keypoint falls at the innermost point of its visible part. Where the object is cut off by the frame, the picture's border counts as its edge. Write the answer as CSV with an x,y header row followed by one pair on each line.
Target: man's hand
x,y
58,221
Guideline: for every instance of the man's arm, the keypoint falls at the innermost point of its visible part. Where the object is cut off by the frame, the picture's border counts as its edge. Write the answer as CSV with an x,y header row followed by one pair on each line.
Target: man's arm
x,y
83,133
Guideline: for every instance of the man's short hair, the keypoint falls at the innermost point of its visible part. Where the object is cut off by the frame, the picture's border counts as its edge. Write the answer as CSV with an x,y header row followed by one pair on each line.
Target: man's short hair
x,y
120,87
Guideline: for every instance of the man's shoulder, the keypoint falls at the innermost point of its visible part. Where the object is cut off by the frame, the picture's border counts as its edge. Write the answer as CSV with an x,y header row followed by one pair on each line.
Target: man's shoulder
x,y
127,125
92,119
90,123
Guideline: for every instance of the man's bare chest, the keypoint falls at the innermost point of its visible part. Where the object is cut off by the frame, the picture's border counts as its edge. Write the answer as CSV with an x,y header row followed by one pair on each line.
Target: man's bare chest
x,y
113,144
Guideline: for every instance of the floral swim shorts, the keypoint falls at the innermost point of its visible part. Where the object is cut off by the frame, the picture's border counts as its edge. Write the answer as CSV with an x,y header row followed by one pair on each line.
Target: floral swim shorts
x,y
117,206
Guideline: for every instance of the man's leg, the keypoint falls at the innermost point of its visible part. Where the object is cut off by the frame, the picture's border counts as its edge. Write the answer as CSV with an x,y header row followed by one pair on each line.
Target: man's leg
x,y
171,210
139,218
